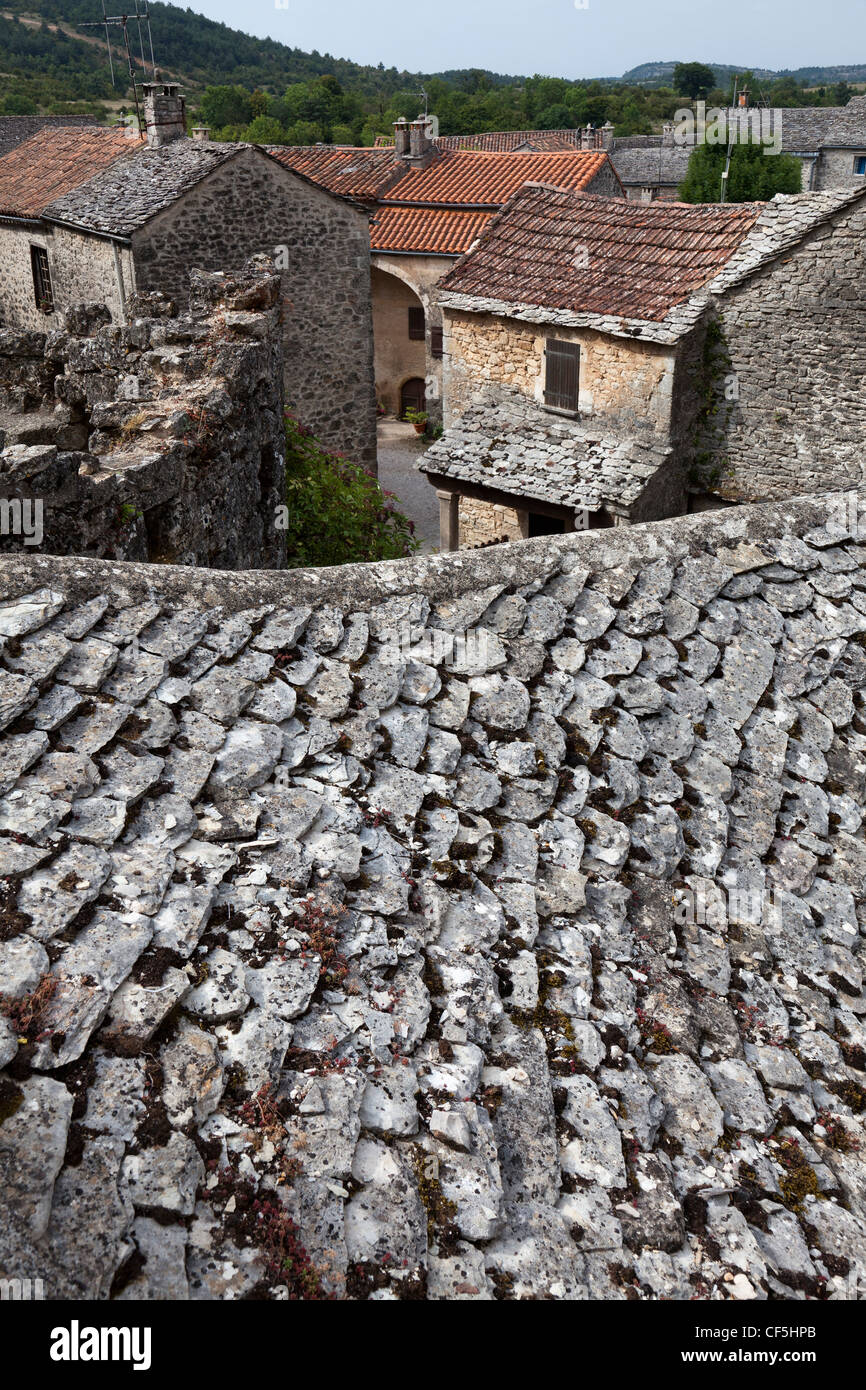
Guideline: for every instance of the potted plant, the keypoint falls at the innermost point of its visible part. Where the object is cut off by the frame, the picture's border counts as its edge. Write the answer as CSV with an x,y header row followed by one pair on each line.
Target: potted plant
x,y
418,418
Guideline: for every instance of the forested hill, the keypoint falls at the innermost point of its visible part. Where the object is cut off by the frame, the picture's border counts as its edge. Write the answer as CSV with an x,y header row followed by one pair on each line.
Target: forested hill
x,y
259,89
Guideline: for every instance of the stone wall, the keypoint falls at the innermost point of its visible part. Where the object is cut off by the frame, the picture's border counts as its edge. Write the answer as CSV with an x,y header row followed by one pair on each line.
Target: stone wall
x,y
836,169
160,440
793,341
84,270
251,204
483,522
421,274
624,381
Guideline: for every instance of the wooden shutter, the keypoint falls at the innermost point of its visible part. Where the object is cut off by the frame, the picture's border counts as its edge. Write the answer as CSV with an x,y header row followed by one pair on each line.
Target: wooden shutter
x,y
562,374
416,324
436,347
41,279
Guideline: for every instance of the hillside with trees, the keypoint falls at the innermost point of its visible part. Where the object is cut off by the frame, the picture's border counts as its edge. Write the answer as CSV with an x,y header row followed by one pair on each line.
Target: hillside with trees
x,y
260,89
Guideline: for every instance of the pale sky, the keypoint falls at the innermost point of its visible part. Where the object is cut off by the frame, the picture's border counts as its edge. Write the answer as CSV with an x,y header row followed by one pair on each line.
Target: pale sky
x,y
556,37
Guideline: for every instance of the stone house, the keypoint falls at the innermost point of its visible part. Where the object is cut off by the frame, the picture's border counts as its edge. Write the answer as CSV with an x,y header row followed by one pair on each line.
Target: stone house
x,y
98,215
650,166
591,378
430,202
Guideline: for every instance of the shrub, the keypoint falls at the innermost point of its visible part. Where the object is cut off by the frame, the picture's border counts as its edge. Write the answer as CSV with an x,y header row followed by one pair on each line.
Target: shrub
x,y
337,513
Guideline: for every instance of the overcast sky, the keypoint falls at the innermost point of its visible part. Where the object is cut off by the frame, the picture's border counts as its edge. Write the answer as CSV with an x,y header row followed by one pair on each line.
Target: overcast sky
x,y
554,36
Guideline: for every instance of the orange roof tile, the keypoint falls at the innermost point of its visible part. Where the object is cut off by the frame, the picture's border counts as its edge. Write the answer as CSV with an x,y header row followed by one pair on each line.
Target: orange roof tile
x,y
54,162
441,231
583,253
362,172
481,178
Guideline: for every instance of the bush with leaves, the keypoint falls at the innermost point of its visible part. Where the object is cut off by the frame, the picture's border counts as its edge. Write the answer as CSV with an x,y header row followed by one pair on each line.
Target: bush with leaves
x,y
754,176
337,514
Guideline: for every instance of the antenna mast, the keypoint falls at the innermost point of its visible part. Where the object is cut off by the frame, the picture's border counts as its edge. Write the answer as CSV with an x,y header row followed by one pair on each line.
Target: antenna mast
x,y
141,17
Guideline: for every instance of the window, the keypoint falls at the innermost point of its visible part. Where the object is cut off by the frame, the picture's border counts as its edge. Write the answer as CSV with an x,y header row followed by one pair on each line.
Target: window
x,y
416,324
860,164
436,342
562,374
41,279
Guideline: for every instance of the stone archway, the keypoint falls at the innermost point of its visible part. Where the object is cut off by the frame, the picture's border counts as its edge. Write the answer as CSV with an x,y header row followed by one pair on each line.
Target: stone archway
x,y
399,337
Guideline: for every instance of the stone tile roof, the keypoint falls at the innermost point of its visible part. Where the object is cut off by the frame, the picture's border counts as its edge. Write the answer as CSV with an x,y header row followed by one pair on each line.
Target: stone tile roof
x,y
126,195
54,162
513,445
653,165
496,919
363,173
442,231
644,270
477,178
509,140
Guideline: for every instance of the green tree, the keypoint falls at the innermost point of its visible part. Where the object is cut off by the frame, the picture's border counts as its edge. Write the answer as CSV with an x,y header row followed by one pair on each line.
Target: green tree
x,y
336,513
222,106
753,177
693,79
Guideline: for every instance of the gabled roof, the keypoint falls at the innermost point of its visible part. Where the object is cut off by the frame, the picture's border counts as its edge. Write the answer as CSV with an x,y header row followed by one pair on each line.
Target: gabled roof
x,y
356,172
509,140
54,162
14,130
432,231
126,195
650,166
471,178
640,270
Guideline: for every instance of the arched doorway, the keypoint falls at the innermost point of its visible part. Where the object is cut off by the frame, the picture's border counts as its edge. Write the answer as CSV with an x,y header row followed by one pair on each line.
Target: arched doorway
x,y
399,338
412,395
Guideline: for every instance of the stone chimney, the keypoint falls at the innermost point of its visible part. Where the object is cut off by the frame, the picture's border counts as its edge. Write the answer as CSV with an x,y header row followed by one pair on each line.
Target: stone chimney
x,y
743,97
201,132
421,147
164,113
401,138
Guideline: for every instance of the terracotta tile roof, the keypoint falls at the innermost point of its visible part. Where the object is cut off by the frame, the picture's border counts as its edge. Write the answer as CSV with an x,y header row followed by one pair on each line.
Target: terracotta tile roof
x,y
470,178
54,162
593,255
432,230
353,172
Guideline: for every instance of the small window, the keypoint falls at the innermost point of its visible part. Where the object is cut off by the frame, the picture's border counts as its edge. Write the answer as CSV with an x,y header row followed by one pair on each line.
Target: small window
x,y
416,325
562,374
436,342
41,280
860,164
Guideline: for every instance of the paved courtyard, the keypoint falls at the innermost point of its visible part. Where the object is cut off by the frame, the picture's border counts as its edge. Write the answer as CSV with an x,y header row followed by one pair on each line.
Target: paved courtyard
x,y
399,450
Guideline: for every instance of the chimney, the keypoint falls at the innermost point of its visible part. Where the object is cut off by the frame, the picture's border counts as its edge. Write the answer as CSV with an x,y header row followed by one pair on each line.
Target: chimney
x,y
201,132
420,144
401,138
743,98
164,113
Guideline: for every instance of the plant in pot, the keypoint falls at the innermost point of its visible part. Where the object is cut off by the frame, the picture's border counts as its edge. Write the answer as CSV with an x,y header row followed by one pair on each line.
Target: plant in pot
x,y
418,418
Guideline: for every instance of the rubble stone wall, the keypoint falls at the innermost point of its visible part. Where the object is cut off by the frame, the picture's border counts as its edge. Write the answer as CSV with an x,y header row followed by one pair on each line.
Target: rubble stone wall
x,y
322,245
617,379
793,337
160,440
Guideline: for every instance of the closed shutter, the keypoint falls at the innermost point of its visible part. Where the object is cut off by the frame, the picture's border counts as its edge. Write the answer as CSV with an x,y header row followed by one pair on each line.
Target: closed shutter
x,y
42,292
562,374
436,342
416,324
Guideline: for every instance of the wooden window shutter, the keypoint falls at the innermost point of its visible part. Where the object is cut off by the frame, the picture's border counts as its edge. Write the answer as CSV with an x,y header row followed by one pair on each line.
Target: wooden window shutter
x,y
436,347
562,374
416,324
42,291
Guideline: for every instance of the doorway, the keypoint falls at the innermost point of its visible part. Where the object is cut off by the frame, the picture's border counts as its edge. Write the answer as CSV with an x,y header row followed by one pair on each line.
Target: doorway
x,y
412,395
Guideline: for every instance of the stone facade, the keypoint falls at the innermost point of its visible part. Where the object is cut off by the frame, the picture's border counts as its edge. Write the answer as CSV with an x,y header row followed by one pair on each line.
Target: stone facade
x,y
398,358
791,340
619,380
159,440
252,205
248,205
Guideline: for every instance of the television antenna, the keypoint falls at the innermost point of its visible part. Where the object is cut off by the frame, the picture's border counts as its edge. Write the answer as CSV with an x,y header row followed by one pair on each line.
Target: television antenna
x,y
141,18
